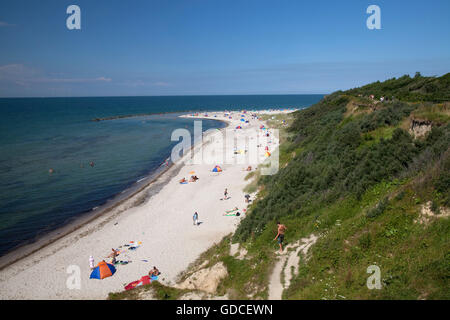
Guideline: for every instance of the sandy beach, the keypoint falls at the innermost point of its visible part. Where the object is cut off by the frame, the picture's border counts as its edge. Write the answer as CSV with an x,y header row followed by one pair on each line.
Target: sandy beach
x,y
158,219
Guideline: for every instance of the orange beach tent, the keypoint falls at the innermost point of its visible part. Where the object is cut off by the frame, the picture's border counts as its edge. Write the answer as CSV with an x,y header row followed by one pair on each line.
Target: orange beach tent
x,y
103,270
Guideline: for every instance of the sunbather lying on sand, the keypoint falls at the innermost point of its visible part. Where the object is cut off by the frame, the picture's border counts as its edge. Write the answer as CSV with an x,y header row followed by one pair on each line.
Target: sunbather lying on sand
x,y
183,180
193,179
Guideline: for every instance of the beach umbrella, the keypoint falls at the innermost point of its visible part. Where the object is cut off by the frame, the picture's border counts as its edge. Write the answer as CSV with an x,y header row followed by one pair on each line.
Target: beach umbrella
x,y
102,270
267,154
238,127
217,169
243,120
192,172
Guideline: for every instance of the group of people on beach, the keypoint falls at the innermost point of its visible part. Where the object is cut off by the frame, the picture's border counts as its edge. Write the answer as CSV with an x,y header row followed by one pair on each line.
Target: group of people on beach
x,y
191,179
113,255
281,228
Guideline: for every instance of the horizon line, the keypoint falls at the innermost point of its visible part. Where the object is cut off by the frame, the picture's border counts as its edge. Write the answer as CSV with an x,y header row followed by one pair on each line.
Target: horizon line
x,y
174,95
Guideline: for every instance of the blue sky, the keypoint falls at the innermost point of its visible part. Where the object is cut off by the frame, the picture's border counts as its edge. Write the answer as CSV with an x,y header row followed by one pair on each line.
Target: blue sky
x,y
169,47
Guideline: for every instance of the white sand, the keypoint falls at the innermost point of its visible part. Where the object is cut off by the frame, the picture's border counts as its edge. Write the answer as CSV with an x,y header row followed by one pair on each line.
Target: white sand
x,y
163,224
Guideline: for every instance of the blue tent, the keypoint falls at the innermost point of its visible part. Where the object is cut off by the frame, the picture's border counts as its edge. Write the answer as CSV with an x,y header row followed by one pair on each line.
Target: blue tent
x,y
102,270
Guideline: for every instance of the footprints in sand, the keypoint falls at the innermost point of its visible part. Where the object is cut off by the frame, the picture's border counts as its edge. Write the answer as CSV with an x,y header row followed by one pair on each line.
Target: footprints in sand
x,y
287,266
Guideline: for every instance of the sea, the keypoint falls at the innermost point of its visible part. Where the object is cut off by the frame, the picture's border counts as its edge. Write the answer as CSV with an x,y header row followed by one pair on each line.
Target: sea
x,y
57,163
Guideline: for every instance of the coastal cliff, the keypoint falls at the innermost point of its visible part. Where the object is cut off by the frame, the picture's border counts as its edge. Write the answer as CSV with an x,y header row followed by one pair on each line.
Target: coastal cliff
x,y
363,184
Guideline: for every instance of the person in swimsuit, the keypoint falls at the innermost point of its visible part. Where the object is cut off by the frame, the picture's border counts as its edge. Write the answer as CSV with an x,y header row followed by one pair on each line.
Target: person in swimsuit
x,y
113,255
154,272
280,235
225,194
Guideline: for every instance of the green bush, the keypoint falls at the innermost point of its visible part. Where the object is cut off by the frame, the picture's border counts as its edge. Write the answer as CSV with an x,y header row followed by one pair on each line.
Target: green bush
x,y
333,161
379,209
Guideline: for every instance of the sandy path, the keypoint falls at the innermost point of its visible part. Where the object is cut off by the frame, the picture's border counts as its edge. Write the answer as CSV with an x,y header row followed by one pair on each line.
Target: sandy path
x,y
287,265
163,224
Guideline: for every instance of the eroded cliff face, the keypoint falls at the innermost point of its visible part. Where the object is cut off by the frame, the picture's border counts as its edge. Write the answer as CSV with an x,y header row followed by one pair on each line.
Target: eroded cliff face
x,y
419,128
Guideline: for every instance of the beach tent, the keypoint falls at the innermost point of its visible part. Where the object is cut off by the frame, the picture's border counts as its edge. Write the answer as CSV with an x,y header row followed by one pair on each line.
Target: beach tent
x,y
103,270
217,169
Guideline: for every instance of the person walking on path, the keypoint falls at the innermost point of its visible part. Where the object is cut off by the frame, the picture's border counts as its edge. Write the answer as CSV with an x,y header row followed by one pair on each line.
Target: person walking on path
x,y
195,218
280,235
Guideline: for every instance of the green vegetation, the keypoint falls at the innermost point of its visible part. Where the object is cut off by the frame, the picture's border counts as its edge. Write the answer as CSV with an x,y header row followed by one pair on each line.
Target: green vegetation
x,y
353,174
156,290
436,113
246,278
409,89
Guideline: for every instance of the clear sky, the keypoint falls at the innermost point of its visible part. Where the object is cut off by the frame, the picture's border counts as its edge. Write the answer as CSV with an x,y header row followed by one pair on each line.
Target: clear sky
x,y
170,47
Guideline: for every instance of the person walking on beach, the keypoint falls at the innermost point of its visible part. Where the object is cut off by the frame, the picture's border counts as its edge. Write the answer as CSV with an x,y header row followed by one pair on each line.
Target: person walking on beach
x,y
280,235
195,218
225,194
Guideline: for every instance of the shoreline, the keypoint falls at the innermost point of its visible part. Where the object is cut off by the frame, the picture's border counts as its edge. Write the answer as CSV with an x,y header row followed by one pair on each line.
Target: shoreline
x,y
172,246
84,218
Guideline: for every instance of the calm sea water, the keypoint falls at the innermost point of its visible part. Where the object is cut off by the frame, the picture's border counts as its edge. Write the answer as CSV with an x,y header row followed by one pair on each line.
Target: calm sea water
x,y
42,133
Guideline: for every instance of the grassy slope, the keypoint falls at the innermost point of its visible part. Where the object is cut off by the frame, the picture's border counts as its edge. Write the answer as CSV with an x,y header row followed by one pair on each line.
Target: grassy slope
x,y
336,196
351,173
